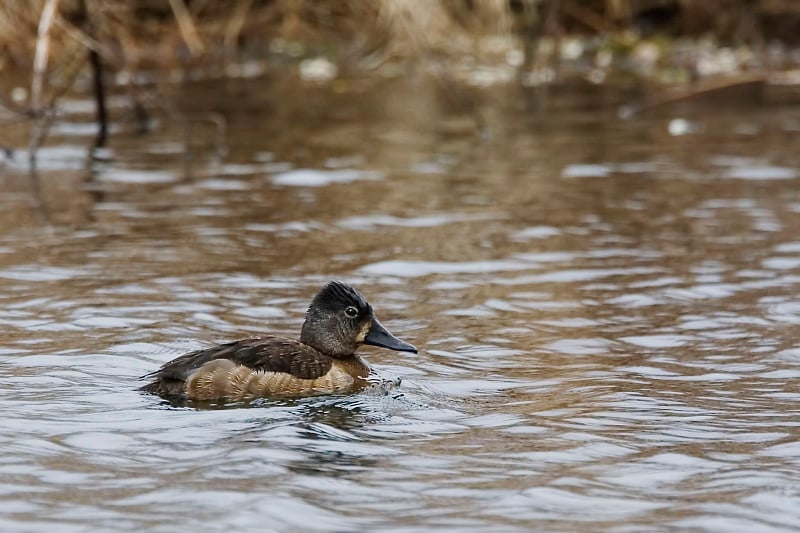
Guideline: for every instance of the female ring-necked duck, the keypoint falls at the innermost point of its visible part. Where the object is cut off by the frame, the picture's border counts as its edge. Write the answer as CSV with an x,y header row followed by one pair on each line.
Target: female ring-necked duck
x,y
323,361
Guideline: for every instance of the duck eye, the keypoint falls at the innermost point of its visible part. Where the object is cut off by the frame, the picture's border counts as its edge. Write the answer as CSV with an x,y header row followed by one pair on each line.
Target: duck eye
x,y
351,311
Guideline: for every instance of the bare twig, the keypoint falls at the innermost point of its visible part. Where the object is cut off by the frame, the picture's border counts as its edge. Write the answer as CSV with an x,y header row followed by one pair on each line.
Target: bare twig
x,y
42,51
235,24
186,27
587,17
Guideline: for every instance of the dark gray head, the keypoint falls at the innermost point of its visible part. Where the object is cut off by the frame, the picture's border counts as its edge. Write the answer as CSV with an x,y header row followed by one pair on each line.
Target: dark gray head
x,y
340,319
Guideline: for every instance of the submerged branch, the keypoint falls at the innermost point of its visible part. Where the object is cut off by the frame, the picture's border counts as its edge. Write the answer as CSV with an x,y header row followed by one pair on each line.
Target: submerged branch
x,y
675,95
97,78
42,120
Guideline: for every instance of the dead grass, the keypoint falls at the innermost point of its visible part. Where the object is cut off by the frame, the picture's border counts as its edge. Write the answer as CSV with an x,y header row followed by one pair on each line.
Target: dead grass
x,y
147,33
159,37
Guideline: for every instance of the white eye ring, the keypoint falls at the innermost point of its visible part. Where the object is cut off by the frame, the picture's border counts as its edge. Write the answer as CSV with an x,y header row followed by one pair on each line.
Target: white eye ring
x,y
351,311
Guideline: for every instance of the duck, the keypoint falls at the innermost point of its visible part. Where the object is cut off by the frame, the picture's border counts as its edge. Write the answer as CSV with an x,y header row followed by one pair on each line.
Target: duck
x,y
322,361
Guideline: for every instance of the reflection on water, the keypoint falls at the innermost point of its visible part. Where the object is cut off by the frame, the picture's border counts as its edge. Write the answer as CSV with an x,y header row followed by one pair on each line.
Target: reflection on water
x,y
605,313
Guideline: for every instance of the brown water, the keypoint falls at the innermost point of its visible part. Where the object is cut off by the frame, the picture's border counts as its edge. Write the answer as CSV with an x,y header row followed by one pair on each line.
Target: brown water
x,y
607,313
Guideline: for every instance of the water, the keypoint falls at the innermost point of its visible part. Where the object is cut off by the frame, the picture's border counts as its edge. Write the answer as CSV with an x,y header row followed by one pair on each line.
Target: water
x,y
606,312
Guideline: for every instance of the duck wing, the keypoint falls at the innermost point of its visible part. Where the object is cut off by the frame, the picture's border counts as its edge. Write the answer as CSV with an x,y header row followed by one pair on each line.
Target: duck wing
x,y
268,354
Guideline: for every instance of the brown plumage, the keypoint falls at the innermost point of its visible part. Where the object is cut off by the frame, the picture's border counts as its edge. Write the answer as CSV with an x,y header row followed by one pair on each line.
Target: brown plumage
x,y
323,361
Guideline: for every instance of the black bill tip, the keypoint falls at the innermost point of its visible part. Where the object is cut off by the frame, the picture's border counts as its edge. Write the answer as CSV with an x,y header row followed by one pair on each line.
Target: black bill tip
x,y
380,336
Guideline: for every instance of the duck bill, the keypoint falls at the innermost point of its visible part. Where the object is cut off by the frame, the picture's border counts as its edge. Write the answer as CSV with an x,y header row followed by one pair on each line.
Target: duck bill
x,y
379,336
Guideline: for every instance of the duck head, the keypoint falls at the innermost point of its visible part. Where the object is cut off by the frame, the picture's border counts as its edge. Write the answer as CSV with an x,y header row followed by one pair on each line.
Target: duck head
x,y
340,319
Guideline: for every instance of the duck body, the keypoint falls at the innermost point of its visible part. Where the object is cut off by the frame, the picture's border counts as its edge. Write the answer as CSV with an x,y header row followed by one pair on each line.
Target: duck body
x,y
266,366
322,361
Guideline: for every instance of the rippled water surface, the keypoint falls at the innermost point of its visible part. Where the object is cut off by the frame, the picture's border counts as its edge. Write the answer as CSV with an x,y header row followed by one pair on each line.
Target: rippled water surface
x,y
607,313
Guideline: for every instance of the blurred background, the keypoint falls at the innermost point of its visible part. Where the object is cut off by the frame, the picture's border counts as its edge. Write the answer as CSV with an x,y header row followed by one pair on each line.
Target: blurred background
x,y
583,213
